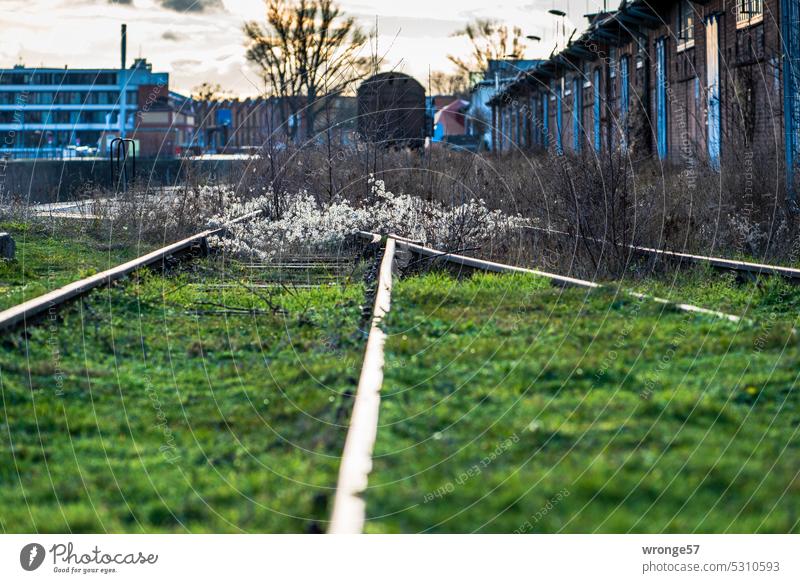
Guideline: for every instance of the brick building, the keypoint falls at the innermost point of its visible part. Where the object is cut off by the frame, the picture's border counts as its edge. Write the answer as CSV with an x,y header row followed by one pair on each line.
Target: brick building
x,y
245,125
679,80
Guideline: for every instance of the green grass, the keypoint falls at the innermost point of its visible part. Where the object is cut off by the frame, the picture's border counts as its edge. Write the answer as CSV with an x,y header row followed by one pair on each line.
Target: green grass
x,y
144,410
766,297
48,258
509,406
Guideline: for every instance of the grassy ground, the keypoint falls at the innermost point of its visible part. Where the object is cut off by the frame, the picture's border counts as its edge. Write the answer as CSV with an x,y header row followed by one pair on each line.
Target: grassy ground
x,y
770,298
48,257
165,405
510,406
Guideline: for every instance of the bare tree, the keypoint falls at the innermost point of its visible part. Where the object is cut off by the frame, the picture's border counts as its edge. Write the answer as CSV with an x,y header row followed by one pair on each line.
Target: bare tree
x,y
490,40
307,49
210,92
449,84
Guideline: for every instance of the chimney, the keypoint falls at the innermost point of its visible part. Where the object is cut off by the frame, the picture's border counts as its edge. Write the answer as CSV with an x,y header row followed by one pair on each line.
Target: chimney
x,y
124,44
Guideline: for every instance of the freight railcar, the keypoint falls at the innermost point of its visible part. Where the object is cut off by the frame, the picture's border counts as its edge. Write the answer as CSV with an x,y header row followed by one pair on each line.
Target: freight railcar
x,y
391,110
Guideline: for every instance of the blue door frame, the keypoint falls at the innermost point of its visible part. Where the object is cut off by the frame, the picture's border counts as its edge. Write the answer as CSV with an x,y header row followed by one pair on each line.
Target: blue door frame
x,y
624,97
661,97
545,121
713,121
596,105
790,30
559,122
577,113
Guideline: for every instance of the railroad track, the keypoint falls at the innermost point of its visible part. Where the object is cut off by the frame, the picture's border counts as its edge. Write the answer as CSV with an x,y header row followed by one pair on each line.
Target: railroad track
x,y
480,264
349,508
299,271
748,267
349,511
37,306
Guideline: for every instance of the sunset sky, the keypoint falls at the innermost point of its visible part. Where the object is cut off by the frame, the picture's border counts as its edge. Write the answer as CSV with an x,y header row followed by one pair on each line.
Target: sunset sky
x,y
201,40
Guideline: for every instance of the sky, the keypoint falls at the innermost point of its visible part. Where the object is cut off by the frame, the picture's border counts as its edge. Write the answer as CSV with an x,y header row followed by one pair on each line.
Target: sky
x,y
200,41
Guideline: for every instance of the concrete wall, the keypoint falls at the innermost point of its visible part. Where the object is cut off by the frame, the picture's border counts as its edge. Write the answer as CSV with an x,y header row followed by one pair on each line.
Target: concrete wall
x,y
57,180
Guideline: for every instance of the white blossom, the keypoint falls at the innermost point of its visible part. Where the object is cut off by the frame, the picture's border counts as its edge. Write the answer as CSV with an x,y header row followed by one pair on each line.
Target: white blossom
x,y
307,224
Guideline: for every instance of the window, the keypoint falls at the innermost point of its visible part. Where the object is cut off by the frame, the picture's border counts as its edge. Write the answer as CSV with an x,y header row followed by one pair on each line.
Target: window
x,y
612,62
42,79
14,79
749,12
43,98
686,25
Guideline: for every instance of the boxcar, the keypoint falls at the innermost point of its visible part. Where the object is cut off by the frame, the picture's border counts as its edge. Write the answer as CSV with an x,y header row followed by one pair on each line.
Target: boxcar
x,y
391,110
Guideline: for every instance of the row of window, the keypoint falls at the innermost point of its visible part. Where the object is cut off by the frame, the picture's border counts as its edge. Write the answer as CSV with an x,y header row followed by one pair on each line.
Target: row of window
x,y
66,98
57,117
47,139
58,78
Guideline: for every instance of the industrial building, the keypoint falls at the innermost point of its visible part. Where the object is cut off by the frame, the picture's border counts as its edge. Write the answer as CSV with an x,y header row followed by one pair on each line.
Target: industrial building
x,y
498,75
57,113
679,80
238,126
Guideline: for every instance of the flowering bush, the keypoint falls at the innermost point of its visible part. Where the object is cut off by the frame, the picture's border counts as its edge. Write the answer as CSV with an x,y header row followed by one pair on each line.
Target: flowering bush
x,y
307,224
164,214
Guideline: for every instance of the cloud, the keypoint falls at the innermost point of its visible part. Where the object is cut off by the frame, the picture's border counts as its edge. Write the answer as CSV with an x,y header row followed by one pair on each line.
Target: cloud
x,y
179,5
180,63
172,35
409,26
191,5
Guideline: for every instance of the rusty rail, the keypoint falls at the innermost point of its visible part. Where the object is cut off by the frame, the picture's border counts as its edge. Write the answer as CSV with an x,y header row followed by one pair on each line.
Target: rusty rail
x,y
32,308
349,507
718,262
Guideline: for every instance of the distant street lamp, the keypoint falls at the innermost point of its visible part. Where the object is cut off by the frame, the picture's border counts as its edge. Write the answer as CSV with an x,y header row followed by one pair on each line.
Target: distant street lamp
x,y
555,12
533,37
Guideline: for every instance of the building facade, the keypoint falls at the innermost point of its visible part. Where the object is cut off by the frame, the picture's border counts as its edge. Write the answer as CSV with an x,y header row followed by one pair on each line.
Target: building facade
x,y
707,81
73,112
498,75
241,126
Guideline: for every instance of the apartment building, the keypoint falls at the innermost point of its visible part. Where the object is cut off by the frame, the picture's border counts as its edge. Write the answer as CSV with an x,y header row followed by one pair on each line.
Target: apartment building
x,y
48,112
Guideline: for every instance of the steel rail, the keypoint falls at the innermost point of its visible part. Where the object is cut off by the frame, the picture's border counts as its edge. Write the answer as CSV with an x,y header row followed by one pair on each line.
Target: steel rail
x,y
559,279
718,262
349,506
34,307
